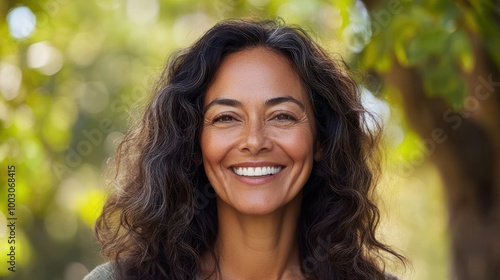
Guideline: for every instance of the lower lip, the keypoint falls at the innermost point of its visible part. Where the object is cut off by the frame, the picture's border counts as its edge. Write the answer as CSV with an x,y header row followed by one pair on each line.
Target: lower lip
x,y
256,180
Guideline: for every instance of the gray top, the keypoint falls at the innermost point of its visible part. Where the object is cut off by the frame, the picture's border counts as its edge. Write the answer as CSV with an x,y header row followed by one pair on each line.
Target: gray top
x,y
102,272
105,272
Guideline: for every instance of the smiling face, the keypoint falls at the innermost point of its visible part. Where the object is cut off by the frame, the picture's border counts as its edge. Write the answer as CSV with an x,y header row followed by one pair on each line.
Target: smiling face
x,y
258,133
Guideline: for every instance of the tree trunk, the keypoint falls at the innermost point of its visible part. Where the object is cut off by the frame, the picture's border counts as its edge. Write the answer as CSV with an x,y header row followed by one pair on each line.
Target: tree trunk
x,y
465,147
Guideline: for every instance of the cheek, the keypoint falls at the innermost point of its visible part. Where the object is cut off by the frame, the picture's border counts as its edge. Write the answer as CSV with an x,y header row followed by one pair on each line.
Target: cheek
x,y
298,145
213,147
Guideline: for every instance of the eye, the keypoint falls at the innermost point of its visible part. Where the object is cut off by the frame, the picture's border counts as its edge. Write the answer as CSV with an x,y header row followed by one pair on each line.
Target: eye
x,y
284,117
224,119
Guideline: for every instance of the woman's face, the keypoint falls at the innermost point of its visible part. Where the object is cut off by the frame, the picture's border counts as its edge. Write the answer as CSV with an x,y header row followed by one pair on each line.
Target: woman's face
x,y
258,133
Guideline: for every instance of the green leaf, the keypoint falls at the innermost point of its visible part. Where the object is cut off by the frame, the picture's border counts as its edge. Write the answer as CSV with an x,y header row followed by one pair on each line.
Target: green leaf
x,y
430,42
443,79
462,50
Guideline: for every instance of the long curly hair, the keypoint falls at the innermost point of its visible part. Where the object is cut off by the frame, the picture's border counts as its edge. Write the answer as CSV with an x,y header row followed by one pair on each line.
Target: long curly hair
x,y
161,216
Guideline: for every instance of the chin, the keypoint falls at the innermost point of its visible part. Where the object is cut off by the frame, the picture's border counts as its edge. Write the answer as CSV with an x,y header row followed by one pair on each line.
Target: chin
x,y
257,210
265,207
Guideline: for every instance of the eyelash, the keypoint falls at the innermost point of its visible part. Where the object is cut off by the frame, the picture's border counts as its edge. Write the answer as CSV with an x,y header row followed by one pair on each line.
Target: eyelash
x,y
284,117
226,118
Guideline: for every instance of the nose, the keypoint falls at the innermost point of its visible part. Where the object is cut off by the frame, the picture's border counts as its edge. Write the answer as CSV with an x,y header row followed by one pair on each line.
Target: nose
x,y
255,139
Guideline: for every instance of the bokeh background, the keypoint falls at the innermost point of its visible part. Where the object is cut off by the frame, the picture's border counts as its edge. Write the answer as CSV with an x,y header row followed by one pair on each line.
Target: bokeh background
x,y
73,74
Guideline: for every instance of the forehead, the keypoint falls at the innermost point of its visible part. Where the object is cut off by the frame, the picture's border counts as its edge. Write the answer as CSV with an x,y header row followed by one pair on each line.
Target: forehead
x,y
256,74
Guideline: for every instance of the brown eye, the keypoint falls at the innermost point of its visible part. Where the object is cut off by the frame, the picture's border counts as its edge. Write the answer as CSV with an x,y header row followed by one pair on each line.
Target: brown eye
x,y
224,119
285,117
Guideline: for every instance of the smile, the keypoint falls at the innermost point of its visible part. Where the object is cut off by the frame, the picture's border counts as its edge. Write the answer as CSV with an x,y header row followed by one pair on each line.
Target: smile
x,y
256,171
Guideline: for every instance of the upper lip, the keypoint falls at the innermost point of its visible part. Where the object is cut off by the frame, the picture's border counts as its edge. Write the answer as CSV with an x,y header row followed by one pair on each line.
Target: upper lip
x,y
255,164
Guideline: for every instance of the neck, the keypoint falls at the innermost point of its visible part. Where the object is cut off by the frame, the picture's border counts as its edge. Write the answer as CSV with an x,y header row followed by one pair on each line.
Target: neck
x,y
258,246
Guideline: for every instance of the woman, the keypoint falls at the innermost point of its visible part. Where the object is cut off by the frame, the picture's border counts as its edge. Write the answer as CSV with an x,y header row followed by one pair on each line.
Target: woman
x,y
252,161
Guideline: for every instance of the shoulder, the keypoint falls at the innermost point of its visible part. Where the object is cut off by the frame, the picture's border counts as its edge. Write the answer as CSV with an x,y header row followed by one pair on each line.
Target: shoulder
x,y
101,272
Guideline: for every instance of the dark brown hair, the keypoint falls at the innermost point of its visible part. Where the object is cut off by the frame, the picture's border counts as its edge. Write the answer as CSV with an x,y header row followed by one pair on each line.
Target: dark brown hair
x,y
162,215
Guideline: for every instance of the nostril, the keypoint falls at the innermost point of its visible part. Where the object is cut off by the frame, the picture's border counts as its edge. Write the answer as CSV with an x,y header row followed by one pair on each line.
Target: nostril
x,y
255,142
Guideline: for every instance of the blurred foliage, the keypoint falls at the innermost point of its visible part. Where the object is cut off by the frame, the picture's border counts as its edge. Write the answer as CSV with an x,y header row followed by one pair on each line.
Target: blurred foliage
x,y
67,90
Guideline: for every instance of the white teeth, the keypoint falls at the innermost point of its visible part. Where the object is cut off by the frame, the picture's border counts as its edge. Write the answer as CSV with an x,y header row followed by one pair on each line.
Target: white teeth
x,y
257,171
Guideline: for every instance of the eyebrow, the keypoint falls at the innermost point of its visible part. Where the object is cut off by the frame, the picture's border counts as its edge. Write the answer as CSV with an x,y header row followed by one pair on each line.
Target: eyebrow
x,y
268,103
279,100
223,102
